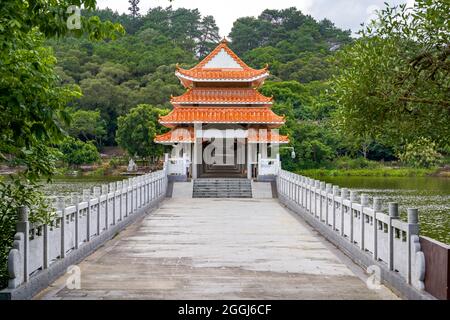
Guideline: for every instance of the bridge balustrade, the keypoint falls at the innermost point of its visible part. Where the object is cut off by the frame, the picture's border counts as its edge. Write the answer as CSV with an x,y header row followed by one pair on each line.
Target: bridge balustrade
x,y
43,251
358,224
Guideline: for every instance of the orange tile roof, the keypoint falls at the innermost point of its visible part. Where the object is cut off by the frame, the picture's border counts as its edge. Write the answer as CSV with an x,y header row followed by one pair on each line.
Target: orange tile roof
x,y
221,74
254,135
176,135
241,72
221,96
258,135
221,115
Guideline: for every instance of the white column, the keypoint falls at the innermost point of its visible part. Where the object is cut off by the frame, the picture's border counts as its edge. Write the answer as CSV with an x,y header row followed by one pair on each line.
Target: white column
x,y
249,160
196,159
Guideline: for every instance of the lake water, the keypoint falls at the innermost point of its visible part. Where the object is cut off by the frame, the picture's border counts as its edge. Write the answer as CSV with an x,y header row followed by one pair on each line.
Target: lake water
x,y
431,195
68,185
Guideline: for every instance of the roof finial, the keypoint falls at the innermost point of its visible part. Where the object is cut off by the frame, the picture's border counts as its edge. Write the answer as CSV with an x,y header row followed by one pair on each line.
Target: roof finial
x,y
224,40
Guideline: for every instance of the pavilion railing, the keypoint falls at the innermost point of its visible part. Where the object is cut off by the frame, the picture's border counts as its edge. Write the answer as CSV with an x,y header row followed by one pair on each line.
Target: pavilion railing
x,y
359,224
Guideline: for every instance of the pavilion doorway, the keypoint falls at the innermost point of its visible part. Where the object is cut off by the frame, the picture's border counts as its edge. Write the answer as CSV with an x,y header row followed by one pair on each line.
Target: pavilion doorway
x,y
225,163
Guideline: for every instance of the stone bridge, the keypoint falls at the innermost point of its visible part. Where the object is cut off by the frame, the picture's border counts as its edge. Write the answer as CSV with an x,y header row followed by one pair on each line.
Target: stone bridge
x,y
129,241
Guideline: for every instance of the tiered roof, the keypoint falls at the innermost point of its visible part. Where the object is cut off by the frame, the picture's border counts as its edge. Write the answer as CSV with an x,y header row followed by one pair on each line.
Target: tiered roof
x,y
221,96
258,135
221,65
254,135
259,115
222,90
177,135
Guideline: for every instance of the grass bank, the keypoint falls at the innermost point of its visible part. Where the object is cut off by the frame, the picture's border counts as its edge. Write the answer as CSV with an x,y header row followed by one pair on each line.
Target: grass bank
x,y
375,172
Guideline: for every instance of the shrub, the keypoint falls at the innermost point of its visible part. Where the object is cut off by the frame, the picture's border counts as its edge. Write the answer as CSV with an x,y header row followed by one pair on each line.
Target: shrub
x,y
420,153
347,163
77,152
114,163
14,194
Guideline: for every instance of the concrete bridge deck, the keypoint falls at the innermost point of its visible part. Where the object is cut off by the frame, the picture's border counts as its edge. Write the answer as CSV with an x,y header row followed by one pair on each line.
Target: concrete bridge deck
x,y
218,249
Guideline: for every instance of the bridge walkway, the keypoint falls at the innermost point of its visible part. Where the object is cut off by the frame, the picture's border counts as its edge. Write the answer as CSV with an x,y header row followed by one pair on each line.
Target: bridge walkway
x,y
218,249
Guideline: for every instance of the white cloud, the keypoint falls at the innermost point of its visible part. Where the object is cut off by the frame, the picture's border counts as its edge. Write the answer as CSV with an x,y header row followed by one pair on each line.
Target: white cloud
x,y
346,14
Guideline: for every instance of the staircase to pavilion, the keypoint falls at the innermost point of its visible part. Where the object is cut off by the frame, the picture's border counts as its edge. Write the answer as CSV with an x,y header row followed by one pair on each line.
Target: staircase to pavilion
x,y
222,188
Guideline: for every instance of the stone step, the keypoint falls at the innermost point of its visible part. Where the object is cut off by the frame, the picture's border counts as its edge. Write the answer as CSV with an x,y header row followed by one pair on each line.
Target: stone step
x,y
222,188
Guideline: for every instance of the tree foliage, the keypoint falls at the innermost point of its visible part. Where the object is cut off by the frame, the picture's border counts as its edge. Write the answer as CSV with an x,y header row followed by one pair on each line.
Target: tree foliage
x,y
295,45
137,130
420,153
134,8
32,101
77,152
87,126
138,68
393,82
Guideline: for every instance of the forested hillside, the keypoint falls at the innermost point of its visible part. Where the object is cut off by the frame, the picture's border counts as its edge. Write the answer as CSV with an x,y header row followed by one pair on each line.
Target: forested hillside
x,y
138,68
302,53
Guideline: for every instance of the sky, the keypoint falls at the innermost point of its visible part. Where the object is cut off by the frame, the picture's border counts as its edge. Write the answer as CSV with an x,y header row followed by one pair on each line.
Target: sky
x,y
346,14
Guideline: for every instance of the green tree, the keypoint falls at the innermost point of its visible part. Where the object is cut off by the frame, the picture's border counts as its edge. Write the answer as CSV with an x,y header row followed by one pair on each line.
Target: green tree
x,y
32,103
209,36
394,80
137,130
134,8
77,152
420,153
87,126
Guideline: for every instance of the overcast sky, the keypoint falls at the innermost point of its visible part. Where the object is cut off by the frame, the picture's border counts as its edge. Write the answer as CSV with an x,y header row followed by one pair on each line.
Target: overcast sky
x,y
346,14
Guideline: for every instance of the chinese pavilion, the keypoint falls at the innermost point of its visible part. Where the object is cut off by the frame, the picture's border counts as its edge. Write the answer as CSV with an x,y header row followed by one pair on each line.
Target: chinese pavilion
x,y
222,96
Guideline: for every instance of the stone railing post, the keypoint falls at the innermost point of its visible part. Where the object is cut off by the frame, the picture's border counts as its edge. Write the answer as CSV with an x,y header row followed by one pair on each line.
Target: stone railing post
x,y
393,214
364,203
135,197
60,206
46,246
300,191
376,208
75,201
328,193
145,182
289,187
322,189
87,198
125,193
17,264
119,188
112,190
310,194
105,192
351,216
23,226
295,188
316,191
335,194
97,194
413,230
344,195
142,190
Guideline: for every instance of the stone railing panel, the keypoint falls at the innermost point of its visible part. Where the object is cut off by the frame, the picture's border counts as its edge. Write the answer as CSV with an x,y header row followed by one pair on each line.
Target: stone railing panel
x,y
80,220
359,221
